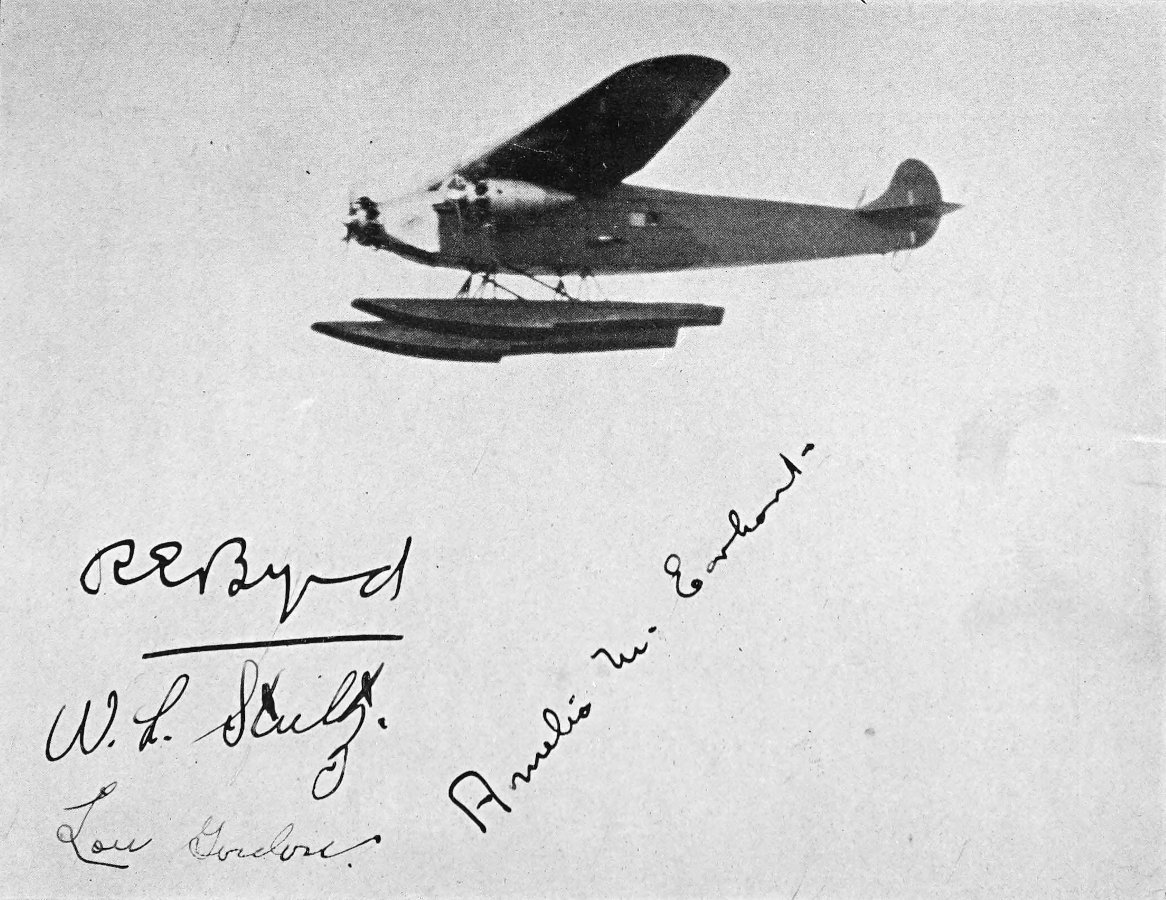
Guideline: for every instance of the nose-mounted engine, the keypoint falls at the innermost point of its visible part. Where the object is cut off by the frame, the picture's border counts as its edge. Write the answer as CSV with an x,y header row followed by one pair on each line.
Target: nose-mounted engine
x,y
501,198
364,226
410,225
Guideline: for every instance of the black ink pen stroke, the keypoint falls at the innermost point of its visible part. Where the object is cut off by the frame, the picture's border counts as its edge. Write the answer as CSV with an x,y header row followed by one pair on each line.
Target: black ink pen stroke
x,y
624,660
740,530
166,554
66,834
672,567
81,730
279,642
348,702
551,718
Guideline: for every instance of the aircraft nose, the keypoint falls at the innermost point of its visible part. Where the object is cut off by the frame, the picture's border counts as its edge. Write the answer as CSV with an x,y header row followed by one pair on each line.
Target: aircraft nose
x,y
361,224
412,220
365,207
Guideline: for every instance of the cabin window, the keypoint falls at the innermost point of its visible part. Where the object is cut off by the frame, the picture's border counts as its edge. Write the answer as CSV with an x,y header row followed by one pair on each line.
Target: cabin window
x,y
640,219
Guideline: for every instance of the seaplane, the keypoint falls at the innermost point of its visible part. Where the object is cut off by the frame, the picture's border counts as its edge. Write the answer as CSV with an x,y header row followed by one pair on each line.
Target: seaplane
x,y
552,202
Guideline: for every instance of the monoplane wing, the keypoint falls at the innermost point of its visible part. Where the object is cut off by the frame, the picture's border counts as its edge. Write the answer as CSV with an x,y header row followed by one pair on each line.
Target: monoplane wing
x,y
607,133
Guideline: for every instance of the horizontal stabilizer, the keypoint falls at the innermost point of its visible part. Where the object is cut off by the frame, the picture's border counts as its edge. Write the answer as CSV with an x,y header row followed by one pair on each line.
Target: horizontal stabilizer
x,y
913,187
893,216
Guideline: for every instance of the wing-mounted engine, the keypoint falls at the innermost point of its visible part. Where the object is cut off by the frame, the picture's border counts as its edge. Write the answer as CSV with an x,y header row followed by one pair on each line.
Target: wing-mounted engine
x,y
503,198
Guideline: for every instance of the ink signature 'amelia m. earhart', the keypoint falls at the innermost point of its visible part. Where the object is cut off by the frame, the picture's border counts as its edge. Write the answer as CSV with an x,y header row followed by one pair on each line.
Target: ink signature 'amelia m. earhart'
x,y
485,793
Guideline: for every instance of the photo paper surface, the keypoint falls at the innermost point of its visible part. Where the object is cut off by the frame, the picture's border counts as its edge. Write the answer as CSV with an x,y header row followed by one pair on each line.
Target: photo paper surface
x,y
740,475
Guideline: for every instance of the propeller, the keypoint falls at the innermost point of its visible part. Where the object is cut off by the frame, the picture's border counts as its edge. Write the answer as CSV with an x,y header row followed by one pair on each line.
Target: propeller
x,y
348,226
356,228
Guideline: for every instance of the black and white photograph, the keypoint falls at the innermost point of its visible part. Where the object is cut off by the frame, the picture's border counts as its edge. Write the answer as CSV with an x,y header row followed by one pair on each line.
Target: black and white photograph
x,y
595,449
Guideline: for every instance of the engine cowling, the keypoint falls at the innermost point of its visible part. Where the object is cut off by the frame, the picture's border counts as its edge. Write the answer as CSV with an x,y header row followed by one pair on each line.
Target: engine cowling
x,y
503,197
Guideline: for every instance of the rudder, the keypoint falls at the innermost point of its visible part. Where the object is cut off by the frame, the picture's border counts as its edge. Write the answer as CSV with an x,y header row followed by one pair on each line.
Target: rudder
x,y
910,208
913,184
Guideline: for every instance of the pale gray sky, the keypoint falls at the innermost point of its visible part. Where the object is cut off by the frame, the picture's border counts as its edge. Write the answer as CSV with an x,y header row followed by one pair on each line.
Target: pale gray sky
x,y
970,566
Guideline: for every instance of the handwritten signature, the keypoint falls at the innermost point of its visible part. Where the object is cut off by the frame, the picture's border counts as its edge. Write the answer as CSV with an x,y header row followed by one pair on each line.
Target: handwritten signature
x,y
66,834
208,844
349,701
81,733
486,793
551,718
555,724
258,711
164,556
672,563
624,660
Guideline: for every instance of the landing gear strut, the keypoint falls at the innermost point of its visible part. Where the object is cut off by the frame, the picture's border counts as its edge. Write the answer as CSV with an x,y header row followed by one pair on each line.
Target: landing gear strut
x,y
489,279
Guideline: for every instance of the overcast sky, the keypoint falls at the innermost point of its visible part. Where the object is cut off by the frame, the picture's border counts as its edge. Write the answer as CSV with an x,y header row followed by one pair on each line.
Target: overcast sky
x,y
935,670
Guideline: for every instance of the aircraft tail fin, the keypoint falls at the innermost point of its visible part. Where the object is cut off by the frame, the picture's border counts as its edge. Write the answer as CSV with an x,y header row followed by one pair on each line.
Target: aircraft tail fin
x,y
912,204
913,188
